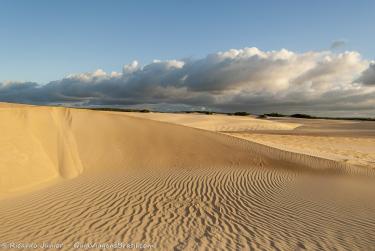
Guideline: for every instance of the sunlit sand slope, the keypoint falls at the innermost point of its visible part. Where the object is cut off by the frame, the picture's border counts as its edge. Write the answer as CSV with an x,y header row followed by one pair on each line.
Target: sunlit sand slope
x,y
36,146
217,122
303,141
44,143
226,208
352,150
124,179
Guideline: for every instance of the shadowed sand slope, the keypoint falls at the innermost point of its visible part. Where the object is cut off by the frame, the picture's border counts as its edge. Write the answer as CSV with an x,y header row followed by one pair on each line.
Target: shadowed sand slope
x,y
123,179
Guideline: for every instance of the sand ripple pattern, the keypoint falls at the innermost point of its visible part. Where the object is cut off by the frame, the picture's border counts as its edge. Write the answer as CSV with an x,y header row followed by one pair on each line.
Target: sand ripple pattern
x,y
124,179
199,209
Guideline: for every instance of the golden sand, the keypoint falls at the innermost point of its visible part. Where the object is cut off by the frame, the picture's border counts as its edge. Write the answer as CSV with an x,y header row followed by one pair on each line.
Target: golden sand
x,y
73,176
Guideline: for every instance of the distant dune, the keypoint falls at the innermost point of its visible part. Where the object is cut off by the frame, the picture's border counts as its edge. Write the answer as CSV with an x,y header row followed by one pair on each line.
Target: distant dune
x,y
217,122
81,176
351,150
341,141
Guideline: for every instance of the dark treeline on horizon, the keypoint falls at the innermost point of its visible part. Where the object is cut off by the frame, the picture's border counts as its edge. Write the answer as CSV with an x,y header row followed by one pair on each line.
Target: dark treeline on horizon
x,y
239,113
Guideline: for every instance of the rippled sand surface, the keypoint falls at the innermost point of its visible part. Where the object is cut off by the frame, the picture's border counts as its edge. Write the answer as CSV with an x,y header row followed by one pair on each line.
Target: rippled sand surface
x,y
77,176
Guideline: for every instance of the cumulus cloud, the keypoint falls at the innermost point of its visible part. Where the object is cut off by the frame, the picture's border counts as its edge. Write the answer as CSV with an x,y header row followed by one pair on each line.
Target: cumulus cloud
x,y
368,76
238,79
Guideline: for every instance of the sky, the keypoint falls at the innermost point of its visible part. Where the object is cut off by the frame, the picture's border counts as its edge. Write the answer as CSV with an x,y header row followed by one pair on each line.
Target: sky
x,y
49,43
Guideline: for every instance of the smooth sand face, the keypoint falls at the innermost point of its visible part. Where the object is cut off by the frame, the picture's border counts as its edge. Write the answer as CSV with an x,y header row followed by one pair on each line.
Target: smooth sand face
x,y
352,150
351,142
110,177
217,122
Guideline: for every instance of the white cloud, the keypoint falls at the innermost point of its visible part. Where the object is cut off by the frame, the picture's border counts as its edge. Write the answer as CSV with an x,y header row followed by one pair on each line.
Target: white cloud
x,y
130,68
244,79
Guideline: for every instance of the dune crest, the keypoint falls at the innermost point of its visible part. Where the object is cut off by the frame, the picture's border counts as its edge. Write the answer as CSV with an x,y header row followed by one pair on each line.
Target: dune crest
x,y
41,146
69,142
217,122
69,162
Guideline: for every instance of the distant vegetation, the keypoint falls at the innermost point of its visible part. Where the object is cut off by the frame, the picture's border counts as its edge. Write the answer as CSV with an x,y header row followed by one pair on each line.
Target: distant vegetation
x,y
306,116
275,114
263,116
227,113
118,109
203,112
302,116
241,114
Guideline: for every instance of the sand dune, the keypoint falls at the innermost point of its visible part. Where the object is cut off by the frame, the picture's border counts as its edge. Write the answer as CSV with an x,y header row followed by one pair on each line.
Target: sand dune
x,y
352,150
65,141
217,122
303,141
109,177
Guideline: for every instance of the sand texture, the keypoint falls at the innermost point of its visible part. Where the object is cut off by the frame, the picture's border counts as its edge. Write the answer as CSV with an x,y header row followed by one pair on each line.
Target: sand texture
x,y
75,175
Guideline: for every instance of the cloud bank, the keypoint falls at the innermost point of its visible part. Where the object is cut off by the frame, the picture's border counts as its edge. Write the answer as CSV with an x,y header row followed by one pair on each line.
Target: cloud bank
x,y
246,79
368,76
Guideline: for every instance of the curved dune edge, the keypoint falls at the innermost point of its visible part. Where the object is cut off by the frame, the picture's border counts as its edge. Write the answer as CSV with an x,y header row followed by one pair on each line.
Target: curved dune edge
x,y
350,148
42,144
235,126
217,122
54,143
298,160
37,147
301,160
295,161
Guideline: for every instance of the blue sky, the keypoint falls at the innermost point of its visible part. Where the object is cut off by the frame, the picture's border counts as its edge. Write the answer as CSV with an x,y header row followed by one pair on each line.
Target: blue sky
x,y
46,40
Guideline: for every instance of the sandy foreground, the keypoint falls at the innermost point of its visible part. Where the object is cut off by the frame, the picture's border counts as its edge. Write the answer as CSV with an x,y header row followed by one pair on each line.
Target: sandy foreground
x,y
81,179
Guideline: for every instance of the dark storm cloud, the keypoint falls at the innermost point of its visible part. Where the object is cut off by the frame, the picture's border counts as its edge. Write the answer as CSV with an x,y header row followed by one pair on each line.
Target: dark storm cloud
x,y
368,76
